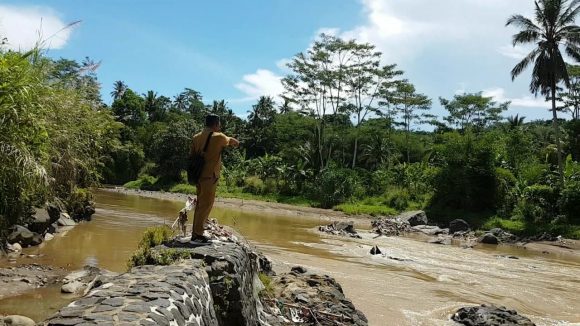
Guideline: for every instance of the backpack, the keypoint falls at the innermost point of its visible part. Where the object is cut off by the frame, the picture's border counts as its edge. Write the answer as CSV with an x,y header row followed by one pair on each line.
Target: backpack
x,y
196,163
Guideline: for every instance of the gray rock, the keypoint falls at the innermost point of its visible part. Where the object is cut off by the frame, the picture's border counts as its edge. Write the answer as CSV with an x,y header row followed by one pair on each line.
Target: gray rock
x,y
64,220
429,229
496,231
375,250
445,240
48,237
73,287
24,236
414,218
15,320
40,221
458,225
489,238
299,270
489,315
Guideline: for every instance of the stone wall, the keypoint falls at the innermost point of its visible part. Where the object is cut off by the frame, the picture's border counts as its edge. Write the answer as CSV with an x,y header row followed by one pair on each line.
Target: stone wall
x,y
217,286
148,295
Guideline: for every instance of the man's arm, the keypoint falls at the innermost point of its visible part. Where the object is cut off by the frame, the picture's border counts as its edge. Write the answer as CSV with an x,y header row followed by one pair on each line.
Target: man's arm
x,y
233,142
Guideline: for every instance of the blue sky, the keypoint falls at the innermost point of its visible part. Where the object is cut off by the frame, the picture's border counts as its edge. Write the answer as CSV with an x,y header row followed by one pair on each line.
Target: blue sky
x,y
235,50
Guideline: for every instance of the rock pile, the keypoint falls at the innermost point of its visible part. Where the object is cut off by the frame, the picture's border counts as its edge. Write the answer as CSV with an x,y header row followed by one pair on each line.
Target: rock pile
x,y
390,227
308,299
489,315
345,229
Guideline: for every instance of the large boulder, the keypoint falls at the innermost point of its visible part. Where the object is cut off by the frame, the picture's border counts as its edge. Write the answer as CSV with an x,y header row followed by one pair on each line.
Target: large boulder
x,y
489,315
489,238
414,218
16,320
458,225
40,221
65,220
429,229
24,236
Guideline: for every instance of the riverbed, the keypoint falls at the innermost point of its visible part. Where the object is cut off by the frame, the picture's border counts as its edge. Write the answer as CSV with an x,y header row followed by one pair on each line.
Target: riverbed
x,y
414,283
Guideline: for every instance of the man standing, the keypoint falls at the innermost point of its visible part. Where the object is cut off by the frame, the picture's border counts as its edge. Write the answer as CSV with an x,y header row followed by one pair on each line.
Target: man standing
x,y
210,174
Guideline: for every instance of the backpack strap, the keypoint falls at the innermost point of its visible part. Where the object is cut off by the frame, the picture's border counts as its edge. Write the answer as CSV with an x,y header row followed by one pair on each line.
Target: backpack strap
x,y
207,142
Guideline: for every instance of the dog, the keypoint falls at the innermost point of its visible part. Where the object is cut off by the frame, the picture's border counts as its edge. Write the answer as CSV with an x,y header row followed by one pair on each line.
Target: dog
x,y
182,218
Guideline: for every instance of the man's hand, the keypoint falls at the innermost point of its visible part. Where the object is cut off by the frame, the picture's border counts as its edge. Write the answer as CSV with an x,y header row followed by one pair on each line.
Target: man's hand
x,y
234,142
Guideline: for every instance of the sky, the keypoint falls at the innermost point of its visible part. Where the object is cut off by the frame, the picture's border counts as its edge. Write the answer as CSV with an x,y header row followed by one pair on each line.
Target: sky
x,y
237,50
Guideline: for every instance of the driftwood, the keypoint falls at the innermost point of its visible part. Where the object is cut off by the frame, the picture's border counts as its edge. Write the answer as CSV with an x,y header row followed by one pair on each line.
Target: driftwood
x,y
341,316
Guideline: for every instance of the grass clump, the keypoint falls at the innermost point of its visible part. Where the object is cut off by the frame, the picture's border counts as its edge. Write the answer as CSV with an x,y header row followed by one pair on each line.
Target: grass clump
x,y
360,208
183,188
154,236
267,281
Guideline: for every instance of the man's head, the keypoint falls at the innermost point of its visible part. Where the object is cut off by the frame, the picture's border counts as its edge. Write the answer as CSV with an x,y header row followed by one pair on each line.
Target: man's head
x,y
212,122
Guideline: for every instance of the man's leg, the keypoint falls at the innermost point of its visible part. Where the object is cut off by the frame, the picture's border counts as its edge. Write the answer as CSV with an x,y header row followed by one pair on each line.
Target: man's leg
x,y
205,199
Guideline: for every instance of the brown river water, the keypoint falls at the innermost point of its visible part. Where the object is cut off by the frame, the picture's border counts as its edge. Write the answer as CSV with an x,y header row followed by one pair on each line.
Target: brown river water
x,y
417,283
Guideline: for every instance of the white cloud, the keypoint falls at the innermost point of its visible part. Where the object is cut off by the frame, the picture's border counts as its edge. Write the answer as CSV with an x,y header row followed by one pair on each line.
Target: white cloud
x,y
498,94
514,52
261,83
25,26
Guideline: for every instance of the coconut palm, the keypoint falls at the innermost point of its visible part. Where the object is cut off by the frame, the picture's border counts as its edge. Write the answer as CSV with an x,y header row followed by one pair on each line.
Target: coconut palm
x,y
119,88
552,27
515,121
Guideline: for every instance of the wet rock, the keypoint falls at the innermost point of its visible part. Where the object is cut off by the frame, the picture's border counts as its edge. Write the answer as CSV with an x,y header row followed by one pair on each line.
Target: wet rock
x,y
299,270
81,281
24,236
458,225
375,251
442,240
414,218
65,220
48,237
15,247
73,287
489,315
40,221
340,228
16,320
489,238
429,229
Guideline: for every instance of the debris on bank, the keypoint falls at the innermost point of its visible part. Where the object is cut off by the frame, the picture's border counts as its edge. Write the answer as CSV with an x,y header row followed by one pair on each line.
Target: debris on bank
x,y
345,229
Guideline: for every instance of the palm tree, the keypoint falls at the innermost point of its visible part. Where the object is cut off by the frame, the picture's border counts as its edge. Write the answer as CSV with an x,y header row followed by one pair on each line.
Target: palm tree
x,y
553,26
119,88
515,121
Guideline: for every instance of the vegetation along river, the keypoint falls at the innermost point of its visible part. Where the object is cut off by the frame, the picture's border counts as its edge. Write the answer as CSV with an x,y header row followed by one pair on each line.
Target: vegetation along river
x,y
417,283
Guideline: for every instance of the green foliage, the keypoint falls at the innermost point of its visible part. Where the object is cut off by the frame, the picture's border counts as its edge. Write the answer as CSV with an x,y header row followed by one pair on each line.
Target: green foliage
x,y
570,201
183,188
155,236
466,180
144,182
538,203
368,209
55,136
171,147
334,186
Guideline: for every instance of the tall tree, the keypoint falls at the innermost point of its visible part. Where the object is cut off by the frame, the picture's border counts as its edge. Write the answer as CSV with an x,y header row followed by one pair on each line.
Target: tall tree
x,y
119,89
571,96
553,26
258,128
410,107
472,110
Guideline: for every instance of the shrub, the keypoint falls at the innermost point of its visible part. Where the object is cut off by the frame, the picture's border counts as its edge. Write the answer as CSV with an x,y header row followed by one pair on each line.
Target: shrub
x,y
254,185
144,182
268,287
183,188
155,236
398,198
79,199
505,197
538,203
570,200
334,186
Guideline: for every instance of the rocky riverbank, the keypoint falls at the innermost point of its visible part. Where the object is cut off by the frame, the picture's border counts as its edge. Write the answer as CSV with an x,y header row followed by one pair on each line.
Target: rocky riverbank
x,y
226,282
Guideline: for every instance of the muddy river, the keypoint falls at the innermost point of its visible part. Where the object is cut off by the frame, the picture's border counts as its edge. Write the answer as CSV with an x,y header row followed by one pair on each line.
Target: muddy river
x,y
416,283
